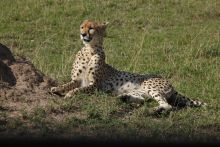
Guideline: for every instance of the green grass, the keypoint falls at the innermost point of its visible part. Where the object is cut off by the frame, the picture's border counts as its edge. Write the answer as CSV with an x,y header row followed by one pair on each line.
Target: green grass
x,y
177,39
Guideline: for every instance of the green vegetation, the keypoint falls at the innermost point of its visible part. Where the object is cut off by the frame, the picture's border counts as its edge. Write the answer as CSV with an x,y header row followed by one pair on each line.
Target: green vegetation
x,y
177,39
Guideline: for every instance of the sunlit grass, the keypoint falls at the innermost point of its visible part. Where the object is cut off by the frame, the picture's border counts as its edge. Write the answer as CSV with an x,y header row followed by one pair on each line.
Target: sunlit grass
x,y
177,39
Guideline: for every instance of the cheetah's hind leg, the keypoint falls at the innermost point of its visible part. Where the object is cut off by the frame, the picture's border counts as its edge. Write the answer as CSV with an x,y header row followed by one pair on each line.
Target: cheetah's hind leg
x,y
132,97
164,106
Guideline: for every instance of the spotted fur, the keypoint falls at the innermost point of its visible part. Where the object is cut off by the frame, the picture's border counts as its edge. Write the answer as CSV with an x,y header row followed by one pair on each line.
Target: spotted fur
x,y
90,72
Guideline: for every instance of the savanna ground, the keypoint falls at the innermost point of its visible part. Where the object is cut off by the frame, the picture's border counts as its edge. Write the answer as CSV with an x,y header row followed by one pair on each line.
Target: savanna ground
x,y
177,39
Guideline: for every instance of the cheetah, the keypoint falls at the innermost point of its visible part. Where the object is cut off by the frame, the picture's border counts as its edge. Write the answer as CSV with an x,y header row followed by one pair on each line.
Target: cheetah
x,y
90,72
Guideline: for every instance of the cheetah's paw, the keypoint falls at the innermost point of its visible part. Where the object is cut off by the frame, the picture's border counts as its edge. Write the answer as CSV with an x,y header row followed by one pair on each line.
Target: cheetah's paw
x,y
55,91
70,94
160,110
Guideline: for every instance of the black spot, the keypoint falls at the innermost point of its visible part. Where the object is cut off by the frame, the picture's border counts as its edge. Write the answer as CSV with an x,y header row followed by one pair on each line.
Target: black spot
x,y
80,71
91,68
156,95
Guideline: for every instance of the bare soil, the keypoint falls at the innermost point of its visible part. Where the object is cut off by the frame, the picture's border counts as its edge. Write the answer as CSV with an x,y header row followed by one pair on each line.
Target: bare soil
x,y
21,82
24,89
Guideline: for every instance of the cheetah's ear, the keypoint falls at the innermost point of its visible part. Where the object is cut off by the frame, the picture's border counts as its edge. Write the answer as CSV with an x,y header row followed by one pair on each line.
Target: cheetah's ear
x,y
104,24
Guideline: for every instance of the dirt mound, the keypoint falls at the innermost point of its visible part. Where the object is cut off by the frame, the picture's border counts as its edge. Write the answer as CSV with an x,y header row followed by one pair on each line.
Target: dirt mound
x,y
26,104
6,55
18,77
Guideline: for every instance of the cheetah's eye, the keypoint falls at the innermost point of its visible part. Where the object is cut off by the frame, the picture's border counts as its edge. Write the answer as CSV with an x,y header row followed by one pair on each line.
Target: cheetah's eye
x,y
91,31
81,27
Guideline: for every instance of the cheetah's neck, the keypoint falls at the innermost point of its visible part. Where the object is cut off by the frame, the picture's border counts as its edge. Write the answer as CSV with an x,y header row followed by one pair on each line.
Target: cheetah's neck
x,y
94,49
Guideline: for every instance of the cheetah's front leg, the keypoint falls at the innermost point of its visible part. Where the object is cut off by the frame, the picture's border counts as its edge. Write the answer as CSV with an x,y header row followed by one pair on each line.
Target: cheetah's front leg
x,y
65,87
88,89
94,73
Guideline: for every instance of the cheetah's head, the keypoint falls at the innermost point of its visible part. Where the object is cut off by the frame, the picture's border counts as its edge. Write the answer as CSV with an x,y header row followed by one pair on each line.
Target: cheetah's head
x,y
92,32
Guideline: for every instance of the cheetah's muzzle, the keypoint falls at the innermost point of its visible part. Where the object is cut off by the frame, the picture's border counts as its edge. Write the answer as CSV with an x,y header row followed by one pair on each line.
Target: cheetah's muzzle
x,y
87,39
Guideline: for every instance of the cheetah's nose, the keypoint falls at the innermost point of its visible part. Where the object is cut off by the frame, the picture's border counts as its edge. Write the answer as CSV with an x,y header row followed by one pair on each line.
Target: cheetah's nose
x,y
83,34
87,39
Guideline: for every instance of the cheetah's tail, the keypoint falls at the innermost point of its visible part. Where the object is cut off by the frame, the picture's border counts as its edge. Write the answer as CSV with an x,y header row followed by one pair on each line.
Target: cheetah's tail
x,y
178,100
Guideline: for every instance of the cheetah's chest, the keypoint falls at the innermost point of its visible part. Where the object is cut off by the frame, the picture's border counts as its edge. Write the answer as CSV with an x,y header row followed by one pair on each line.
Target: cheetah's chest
x,y
80,68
